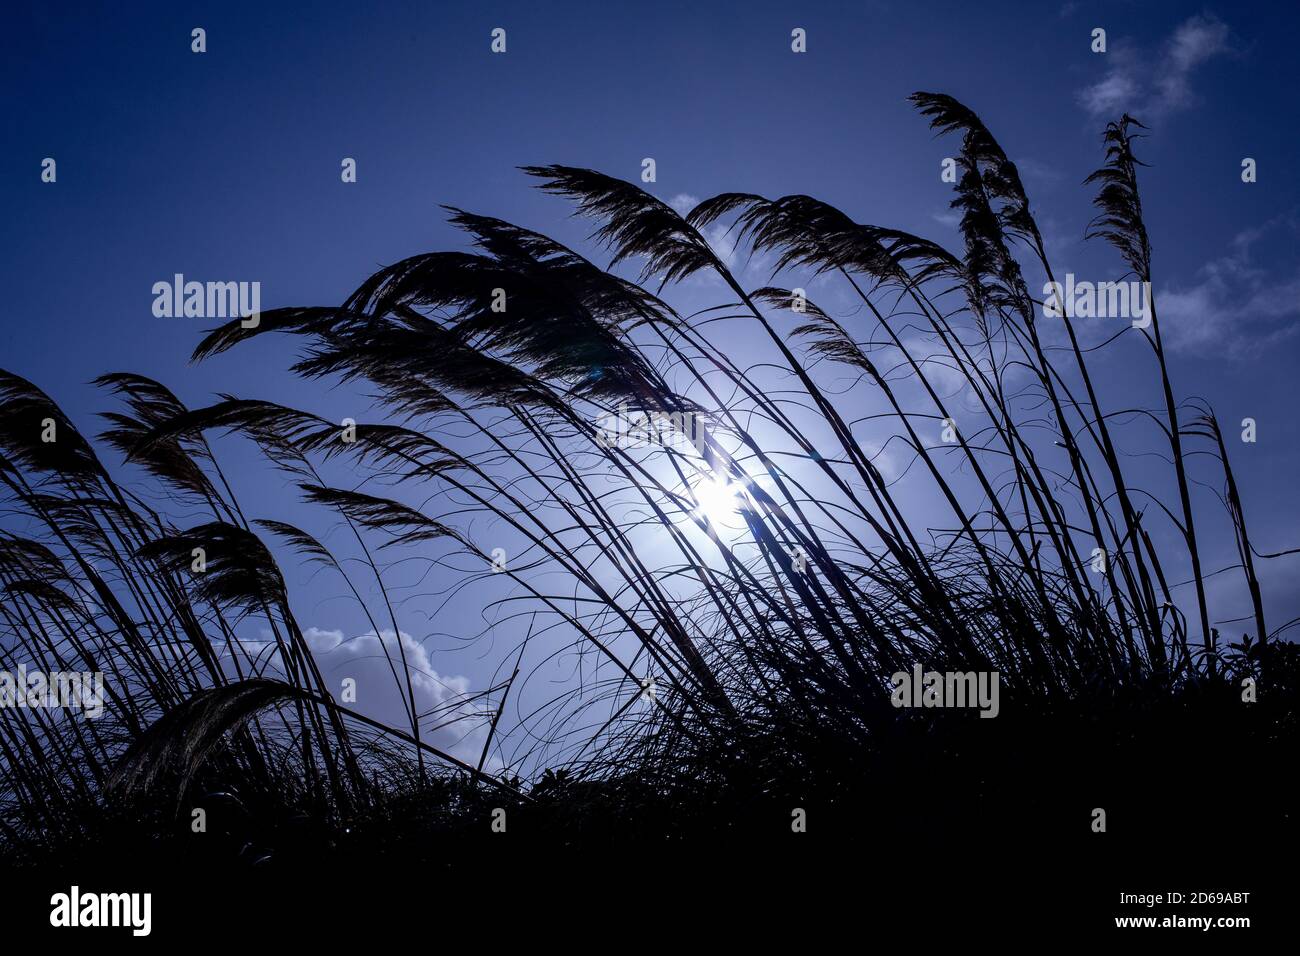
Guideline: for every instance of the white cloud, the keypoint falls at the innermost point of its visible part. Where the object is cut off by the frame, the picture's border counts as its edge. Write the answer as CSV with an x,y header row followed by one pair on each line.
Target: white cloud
x,y
451,724
722,241
684,203
1152,84
1234,306
1114,92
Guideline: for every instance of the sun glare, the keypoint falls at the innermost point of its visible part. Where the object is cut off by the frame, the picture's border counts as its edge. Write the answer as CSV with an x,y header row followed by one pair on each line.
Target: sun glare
x,y
719,500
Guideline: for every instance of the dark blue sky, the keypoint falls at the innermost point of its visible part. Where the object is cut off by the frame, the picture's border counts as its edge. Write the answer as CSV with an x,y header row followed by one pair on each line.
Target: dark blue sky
x,y
225,165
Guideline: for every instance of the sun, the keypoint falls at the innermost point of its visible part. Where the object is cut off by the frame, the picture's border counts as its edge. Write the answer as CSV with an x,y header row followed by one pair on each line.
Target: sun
x,y
719,500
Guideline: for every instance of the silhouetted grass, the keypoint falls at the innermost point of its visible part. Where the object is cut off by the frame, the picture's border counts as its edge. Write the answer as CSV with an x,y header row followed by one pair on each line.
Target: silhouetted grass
x,y
770,645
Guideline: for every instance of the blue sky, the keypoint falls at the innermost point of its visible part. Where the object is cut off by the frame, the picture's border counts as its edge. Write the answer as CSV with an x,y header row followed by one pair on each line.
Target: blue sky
x,y
225,165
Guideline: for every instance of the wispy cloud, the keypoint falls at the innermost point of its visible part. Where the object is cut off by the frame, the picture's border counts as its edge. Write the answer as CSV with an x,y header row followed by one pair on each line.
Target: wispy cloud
x,y
1156,83
1038,172
1235,306
949,218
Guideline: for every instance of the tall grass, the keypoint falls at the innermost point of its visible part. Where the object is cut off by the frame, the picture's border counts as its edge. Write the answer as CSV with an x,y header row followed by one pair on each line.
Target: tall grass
x,y
708,656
